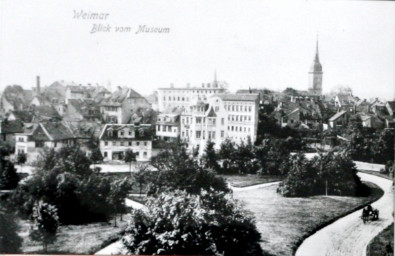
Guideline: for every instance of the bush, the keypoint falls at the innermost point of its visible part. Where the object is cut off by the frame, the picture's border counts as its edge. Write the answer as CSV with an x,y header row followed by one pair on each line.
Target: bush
x,y
9,178
179,223
326,174
65,180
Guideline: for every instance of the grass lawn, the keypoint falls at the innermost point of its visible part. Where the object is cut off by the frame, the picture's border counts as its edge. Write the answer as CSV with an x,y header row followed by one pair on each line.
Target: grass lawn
x,y
378,246
76,239
249,180
285,222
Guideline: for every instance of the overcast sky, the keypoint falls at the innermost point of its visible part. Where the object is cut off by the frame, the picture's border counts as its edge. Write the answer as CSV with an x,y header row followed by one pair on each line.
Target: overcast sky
x,y
249,43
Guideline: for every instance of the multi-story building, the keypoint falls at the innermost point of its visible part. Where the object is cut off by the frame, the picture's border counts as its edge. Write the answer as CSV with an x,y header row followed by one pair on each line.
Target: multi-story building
x,y
39,135
168,124
118,107
116,139
222,116
182,96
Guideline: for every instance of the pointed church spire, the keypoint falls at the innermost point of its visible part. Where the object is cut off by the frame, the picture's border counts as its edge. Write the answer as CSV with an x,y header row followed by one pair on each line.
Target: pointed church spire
x,y
317,58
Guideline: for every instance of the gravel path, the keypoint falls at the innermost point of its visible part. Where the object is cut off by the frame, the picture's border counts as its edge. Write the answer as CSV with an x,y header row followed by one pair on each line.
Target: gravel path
x,y
348,235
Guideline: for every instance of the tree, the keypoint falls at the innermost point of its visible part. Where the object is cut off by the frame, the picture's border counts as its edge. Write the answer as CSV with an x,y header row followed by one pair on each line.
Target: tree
x,y
45,224
96,156
130,157
9,178
326,174
178,170
64,179
208,223
141,177
210,156
116,199
21,158
10,242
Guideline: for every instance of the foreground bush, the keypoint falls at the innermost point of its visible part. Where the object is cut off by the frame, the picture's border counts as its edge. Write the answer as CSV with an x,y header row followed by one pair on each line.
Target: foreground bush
x,y
180,223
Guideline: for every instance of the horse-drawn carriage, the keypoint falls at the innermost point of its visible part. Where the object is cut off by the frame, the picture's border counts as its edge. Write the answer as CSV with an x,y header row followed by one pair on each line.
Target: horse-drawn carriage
x,y
369,214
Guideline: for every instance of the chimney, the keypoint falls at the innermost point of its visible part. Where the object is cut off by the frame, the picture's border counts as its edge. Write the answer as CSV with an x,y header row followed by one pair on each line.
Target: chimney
x,y
38,85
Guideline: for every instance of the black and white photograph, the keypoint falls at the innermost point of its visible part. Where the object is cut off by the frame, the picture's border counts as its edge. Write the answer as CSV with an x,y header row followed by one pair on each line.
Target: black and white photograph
x,y
222,127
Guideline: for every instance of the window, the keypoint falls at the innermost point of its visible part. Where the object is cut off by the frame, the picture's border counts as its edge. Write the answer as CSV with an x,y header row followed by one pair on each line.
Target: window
x,y
130,143
106,143
39,144
249,109
145,143
138,143
198,134
213,135
105,154
216,109
114,143
121,133
145,154
121,143
223,134
222,121
157,128
21,139
198,120
55,144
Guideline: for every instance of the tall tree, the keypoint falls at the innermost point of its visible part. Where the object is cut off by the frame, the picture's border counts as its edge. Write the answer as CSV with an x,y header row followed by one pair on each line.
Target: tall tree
x,y
10,242
210,156
141,177
96,156
130,157
9,178
45,224
21,158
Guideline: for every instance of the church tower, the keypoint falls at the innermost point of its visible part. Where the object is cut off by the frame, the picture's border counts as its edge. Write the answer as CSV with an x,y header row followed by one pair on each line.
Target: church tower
x,y
315,75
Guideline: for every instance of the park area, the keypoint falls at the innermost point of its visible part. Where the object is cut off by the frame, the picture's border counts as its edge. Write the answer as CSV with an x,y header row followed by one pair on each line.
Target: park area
x,y
285,222
75,239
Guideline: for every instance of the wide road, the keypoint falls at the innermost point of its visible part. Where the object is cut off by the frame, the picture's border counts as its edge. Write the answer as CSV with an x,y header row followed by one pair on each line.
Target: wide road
x,y
348,235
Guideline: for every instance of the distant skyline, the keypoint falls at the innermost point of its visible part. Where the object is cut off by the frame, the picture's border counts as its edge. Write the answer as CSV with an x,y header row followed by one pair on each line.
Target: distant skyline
x,y
257,44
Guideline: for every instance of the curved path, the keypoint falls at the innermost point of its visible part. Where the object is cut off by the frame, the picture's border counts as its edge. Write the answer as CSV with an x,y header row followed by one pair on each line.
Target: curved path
x,y
348,235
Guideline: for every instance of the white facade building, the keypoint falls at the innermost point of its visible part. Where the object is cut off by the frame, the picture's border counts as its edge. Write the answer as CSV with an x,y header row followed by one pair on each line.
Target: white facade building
x,y
182,97
222,116
116,139
168,124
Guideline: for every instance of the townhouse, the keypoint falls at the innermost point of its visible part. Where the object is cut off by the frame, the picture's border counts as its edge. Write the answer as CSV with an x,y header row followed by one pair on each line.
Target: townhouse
x,y
116,139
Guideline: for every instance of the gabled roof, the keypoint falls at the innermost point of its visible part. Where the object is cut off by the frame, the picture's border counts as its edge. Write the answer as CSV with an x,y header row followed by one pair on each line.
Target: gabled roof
x,y
46,112
211,113
119,96
10,127
23,115
337,115
142,132
53,131
87,108
391,104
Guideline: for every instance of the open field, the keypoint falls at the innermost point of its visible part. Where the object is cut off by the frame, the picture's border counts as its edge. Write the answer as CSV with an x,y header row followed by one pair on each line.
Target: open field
x,y
378,246
249,180
76,239
285,222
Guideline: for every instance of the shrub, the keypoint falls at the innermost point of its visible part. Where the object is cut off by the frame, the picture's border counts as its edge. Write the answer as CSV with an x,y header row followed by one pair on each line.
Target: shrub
x,y
180,223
